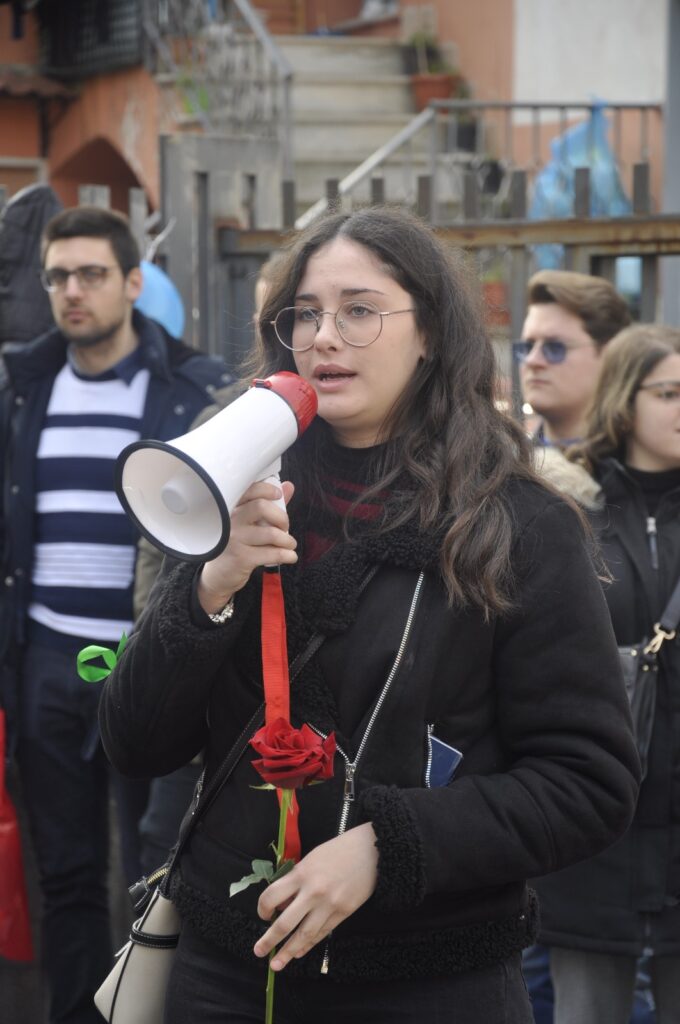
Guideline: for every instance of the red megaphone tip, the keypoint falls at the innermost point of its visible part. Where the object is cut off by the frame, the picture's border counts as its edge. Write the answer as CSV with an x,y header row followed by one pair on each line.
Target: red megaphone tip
x,y
296,391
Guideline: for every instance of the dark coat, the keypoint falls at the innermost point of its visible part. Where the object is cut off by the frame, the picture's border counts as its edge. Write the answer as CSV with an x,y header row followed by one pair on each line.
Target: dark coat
x,y
625,900
25,310
534,700
182,383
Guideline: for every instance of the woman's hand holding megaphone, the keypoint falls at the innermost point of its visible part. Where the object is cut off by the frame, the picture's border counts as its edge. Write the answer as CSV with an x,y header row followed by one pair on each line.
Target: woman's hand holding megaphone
x,y
259,536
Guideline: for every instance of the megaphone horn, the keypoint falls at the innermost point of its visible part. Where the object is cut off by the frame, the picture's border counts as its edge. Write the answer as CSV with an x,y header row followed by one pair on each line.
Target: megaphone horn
x,y
180,493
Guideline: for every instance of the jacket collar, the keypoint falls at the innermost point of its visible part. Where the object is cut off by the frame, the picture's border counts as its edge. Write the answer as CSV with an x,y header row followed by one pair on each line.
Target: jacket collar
x,y
323,596
619,486
45,356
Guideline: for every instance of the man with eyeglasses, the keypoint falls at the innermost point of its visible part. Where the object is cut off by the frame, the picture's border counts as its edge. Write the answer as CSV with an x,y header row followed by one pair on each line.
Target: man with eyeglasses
x,y
70,401
570,318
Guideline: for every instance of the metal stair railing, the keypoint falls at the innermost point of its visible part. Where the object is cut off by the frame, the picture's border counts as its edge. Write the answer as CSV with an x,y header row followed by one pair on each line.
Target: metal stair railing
x,y
230,75
445,117
375,160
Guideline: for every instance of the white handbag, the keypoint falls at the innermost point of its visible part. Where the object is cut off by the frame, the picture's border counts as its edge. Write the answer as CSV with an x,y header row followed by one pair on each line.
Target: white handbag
x,y
134,991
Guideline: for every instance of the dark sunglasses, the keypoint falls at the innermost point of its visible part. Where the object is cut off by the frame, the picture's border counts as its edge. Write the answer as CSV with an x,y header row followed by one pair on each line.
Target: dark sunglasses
x,y
553,350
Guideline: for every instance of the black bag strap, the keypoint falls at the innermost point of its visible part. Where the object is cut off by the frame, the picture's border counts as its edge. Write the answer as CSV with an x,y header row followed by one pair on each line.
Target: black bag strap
x,y
666,627
203,800
670,616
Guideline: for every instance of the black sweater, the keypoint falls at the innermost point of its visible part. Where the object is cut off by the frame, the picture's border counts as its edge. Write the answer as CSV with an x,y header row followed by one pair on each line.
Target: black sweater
x,y
534,700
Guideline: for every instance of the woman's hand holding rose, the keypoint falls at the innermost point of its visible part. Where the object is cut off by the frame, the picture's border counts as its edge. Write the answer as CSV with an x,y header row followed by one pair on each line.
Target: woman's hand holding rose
x,y
328,885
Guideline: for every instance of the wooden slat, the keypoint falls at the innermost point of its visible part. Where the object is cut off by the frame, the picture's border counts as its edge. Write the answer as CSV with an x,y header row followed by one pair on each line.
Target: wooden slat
x,y
424,196
471,204
582,191
642,202
288,203
658,235
332,194
377,191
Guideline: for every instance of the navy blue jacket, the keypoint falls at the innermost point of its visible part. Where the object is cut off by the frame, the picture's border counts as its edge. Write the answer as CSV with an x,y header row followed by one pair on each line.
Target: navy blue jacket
x,y
181,384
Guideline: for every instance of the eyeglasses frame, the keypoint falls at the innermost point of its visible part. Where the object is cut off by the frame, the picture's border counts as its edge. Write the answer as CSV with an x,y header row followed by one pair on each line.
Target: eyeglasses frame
x,y
86,286
326,312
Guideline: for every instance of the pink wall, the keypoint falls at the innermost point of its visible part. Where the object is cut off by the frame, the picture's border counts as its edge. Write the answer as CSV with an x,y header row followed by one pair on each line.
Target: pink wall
x,y
483,34
120,108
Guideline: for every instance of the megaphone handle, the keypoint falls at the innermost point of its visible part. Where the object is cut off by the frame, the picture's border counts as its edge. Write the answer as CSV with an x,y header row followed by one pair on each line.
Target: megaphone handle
x,y
272,477
275,479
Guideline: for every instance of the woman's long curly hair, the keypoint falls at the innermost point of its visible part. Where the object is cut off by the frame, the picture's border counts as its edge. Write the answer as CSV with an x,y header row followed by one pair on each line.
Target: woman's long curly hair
x,y
445,434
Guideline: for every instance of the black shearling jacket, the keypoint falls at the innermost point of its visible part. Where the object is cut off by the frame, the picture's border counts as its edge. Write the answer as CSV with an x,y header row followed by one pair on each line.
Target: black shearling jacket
x,y
533,699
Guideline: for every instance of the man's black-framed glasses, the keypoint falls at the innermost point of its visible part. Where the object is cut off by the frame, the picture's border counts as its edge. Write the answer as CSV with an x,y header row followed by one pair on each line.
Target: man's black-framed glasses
x,y
357,323
553,349
89,276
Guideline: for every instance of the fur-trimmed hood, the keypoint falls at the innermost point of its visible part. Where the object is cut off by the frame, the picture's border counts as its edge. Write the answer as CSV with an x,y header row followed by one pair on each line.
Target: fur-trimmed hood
x,y
569,478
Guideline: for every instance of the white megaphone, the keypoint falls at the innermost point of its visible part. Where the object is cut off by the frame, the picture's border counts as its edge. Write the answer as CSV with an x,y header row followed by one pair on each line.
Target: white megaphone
x,y
180,493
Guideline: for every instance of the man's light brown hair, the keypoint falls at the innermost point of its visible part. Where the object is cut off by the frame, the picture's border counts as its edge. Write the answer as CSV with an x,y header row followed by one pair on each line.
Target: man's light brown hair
x,y
594,300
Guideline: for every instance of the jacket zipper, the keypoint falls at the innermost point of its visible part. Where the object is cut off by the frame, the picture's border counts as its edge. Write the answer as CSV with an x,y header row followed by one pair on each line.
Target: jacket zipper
x,y
428,765
652,541
351,766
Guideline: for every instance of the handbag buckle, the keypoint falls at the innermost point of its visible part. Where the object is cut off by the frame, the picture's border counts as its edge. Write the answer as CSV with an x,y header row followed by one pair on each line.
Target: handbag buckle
x,y
654,645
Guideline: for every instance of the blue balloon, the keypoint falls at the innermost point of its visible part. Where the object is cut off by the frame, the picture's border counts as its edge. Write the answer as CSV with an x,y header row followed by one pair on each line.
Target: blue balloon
x,y
160,299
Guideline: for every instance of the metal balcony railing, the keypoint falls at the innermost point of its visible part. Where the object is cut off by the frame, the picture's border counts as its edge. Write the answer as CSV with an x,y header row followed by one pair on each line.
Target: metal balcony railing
x,y
222,67
470,149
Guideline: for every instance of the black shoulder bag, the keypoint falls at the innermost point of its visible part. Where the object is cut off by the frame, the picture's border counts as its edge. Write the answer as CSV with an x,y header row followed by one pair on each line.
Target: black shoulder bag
x,y
640,664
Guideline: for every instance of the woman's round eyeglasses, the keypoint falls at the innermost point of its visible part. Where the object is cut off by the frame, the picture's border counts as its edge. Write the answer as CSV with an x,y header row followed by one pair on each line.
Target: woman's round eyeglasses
x,y
357,323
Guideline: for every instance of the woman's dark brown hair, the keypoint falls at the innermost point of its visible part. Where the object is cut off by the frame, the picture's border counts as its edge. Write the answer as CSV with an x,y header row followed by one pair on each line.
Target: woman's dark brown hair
x,y
445,434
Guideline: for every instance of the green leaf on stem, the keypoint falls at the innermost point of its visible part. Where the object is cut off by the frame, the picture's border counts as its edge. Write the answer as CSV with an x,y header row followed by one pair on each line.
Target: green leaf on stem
x,y
265,785
263,871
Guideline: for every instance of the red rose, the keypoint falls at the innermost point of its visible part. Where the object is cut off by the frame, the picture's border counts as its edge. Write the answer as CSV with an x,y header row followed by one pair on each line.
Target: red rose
x,y
292,758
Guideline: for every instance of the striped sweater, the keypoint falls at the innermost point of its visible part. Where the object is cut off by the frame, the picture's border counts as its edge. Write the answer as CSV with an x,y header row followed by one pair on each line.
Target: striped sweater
x,y
84,555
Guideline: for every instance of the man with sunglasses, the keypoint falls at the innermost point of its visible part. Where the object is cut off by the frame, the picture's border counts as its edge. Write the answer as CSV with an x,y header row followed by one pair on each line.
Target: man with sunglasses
x,y
70,401
570,318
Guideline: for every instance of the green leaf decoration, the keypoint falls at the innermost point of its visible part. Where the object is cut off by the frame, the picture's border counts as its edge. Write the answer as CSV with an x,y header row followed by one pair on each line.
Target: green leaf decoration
x,y
94,673
265,785
263,871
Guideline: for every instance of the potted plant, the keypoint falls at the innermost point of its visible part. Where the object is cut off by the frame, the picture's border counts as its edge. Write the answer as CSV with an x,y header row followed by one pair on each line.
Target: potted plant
x,y
432,77
495,292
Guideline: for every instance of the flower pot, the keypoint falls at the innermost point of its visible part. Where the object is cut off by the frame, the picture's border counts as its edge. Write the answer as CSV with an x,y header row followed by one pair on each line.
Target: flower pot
x,y
432,86
497,312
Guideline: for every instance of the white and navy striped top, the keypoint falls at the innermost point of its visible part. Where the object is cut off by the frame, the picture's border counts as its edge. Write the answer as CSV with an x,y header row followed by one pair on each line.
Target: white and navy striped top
x,y
84,555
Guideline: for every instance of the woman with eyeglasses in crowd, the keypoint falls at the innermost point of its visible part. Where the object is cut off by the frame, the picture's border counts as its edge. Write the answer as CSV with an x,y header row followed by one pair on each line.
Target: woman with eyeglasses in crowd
x,y
599,916
483,628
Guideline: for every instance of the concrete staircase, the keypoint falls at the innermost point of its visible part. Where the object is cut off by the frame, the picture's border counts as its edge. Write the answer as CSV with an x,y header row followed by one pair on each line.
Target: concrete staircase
x,y
350,96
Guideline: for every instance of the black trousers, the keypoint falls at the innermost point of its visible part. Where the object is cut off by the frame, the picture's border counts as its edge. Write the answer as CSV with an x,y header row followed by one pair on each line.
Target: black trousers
x,y
64,777
207,986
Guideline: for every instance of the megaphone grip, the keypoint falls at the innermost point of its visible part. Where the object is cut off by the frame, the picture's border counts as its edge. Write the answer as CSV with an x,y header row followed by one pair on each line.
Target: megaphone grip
x,y
275,479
